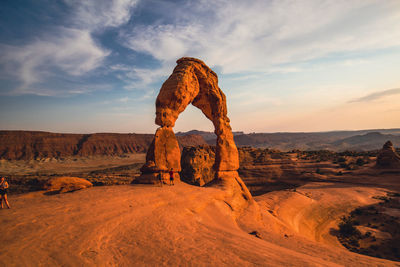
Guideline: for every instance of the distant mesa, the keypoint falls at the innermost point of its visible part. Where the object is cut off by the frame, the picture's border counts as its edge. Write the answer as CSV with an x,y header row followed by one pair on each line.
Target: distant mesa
x,y
387,157
28,145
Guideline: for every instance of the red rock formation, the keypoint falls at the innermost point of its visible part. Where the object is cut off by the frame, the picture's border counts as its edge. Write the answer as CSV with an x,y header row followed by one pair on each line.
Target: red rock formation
x,y
198,164
113,144
387,157
15,145
162,156
27,145
193,82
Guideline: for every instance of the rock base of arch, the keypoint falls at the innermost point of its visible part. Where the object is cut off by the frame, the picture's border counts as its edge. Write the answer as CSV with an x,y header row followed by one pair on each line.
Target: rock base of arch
x,y
162,156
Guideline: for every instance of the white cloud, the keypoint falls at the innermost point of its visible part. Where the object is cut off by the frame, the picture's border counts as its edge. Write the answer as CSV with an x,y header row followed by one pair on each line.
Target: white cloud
x,y
97,14
242,36
124,99
71,50
140,78
377,95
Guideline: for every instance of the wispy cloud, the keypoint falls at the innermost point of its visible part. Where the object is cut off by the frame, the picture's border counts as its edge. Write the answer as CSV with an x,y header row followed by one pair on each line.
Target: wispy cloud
x,y
71,49
239,36
140,78
376,95
97,14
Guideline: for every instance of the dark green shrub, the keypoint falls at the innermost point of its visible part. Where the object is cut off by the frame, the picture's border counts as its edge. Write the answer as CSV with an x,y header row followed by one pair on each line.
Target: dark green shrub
x,y
354,241
343,165
347,229
357,212
360,162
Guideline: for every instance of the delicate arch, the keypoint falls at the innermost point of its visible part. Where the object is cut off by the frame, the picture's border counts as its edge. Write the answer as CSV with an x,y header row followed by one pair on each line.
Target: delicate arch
x,y
193,82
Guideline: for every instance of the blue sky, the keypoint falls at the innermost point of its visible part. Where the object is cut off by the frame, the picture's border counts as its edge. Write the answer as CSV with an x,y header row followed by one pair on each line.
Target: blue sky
x,y
96,66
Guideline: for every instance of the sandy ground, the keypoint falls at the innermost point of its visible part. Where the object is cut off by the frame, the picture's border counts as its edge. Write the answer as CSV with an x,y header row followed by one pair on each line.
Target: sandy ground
x,y
67,165
178,225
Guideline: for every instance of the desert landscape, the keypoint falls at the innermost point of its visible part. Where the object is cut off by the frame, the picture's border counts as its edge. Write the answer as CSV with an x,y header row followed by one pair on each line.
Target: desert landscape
x,y
301,201
99,200
200,133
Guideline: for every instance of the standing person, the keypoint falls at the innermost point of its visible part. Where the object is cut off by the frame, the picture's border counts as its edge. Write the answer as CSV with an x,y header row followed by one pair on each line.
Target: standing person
x,y
160,178
3,192
171,177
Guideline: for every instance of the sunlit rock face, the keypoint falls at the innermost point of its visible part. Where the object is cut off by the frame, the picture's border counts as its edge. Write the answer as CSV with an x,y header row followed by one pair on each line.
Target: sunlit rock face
x,y
387,157
162,156
193,82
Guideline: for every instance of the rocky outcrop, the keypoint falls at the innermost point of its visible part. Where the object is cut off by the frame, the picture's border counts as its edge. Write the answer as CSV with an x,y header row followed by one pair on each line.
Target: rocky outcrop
x,y
260,169
248,155
193,82
27,145
198,164
66,184
387,157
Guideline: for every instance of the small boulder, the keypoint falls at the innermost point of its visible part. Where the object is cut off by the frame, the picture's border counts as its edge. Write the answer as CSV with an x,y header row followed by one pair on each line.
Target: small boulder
x,y
66,184
198,164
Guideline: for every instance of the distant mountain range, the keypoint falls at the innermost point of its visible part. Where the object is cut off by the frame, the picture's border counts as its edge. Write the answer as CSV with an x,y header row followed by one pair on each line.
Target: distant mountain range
x,y
208,136
360,140
26,145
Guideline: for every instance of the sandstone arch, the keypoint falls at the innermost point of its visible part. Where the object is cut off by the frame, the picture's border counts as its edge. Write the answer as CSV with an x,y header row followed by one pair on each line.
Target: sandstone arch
x,y
192,82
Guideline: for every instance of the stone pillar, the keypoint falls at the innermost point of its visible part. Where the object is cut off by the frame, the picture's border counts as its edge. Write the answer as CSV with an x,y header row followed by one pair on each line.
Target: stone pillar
x,y
162,156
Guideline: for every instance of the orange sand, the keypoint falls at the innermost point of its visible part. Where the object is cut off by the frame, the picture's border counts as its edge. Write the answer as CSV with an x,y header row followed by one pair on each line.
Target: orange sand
x,y
180,225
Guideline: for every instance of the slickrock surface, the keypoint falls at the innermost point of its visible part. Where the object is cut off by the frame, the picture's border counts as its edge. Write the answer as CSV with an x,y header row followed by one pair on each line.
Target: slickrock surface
x,y
387,157
178,225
